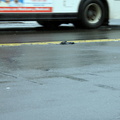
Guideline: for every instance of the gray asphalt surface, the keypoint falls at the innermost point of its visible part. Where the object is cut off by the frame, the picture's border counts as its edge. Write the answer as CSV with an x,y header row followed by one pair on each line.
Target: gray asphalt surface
x,y
60,82
32,32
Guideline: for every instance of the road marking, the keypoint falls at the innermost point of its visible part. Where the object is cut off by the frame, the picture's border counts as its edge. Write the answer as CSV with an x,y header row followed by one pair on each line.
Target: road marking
x,y
57,42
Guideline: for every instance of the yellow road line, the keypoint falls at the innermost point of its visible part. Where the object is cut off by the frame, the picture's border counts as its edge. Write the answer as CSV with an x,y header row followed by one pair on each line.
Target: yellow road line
x,y
57,42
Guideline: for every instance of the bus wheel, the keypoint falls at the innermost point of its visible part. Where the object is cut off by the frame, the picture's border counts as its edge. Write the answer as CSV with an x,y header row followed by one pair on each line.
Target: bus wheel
x,y
91,14
49,24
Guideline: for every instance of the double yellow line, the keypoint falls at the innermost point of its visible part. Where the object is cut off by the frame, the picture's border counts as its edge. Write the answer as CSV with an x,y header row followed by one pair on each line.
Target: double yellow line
x,y
57,42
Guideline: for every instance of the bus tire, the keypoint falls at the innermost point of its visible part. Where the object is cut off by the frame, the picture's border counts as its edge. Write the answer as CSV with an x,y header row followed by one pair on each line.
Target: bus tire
x,y
91,14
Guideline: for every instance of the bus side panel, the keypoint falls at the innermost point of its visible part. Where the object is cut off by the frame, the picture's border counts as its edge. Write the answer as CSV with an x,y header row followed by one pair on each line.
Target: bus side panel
x,y
38,9
39,6
66,6
26,6
114,9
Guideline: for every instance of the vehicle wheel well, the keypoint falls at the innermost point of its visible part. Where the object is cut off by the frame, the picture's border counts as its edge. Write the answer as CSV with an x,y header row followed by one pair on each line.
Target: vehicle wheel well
x,y
106,21
107,11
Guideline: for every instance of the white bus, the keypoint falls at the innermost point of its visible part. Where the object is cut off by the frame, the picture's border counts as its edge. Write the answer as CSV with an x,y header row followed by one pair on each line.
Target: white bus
x,y
82,13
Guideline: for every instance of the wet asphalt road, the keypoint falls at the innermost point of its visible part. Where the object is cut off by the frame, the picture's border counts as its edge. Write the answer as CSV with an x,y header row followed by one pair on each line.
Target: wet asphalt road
x,y
60,82
32,32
